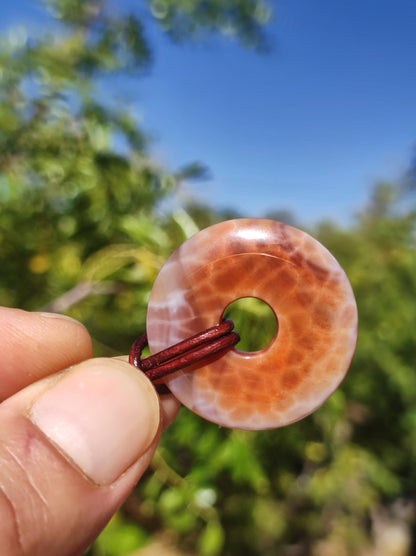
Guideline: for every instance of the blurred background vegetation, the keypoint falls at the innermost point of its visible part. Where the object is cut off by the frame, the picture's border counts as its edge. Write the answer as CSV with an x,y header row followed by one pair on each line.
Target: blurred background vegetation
x,y
84,230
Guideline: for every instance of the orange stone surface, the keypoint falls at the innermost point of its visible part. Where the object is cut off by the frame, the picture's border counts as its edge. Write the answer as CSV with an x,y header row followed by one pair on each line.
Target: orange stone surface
x,y
310,295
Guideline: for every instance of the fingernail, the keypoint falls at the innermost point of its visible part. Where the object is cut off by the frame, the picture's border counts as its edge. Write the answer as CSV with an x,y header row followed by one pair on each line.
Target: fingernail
x,y
102,415
58,316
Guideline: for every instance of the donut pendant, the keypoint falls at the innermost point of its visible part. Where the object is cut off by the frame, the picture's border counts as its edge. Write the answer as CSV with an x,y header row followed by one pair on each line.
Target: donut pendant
x,y
313,303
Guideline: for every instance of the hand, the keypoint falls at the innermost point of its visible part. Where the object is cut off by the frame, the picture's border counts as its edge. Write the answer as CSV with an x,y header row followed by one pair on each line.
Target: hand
x,y
72,444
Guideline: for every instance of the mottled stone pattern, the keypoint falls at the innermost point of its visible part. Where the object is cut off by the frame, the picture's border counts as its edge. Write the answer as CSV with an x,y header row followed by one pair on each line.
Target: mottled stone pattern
x,y
310,295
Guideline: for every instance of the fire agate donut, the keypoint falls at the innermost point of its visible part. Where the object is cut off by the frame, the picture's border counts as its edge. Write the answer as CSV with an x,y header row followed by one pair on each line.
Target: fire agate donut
x,y
314,306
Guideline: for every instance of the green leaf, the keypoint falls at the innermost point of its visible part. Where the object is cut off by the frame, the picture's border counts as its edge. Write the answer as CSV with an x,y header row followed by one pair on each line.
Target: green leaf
x,y
212,539
120,538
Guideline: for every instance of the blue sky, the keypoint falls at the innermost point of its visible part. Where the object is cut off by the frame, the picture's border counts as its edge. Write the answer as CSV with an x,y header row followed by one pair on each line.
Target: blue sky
x,y
308,127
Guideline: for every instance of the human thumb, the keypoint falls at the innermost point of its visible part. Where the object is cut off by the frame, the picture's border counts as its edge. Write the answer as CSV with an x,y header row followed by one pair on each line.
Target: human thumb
x,y
72,447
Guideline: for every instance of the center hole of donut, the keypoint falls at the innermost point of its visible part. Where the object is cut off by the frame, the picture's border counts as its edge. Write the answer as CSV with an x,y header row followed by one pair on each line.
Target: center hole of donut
x,y
254,320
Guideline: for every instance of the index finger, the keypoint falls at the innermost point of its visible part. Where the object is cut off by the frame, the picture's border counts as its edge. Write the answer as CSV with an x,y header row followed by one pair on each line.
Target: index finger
x,y
35,345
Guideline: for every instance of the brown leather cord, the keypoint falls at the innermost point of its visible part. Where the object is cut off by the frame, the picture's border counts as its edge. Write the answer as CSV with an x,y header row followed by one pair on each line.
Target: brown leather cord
x,y
209,342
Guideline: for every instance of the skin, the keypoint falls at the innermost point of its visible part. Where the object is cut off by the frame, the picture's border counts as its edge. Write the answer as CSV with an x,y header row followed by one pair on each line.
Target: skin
x,y
59,485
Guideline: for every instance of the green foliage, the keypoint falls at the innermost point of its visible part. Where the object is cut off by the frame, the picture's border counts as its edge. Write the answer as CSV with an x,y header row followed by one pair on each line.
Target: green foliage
x,y
243,19
77,213
211,540
82,232
120,538
255,321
